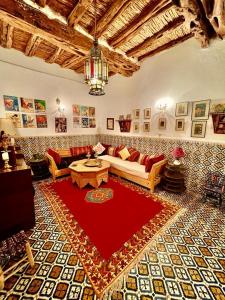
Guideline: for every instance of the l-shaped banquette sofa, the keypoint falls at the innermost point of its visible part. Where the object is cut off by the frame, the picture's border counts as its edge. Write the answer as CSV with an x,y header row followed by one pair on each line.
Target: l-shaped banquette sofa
x,y
140,168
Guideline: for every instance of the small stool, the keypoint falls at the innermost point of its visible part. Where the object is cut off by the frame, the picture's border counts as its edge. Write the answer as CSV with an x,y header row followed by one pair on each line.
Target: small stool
x,y
14,247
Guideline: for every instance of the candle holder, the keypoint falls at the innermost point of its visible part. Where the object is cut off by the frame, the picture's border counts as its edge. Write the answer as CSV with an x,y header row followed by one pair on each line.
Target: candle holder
x,y
5,158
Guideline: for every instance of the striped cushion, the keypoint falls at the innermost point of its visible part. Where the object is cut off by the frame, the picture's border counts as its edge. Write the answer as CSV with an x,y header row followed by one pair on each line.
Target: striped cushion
x,y
151,161
78,151
134,154
142,159
118,149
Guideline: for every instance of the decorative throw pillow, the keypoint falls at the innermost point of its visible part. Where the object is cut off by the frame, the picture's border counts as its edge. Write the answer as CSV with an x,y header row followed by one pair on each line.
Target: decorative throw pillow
x,y
55,155
134,154
98,148
78,151
106,146
152,161
142,159
118,149
124,153
111,151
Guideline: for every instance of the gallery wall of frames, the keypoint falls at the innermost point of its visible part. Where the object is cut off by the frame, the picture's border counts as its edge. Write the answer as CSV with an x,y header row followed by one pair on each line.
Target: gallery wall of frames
x,y
32,113
197,112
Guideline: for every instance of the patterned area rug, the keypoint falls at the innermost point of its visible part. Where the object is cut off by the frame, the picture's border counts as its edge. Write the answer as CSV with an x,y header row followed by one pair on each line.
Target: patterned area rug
x,y
108,274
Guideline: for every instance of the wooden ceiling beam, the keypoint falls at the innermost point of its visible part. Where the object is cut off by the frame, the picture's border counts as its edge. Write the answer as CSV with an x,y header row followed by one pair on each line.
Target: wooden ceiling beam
x,y
33,21
78,12
166,46
195,19
7,35
114,10
32,45
152,39
150,11
70,62
52,58
41,3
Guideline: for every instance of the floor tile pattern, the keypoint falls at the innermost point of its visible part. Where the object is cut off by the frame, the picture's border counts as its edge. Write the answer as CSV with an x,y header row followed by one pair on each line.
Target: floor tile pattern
x,y
186,262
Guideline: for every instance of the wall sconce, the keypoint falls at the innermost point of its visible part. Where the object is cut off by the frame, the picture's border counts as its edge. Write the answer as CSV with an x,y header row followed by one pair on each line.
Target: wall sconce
x,y
60,107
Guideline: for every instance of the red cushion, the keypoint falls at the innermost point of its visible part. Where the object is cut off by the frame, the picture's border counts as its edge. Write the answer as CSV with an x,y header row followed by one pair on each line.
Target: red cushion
x,y
117,150
150,162
77,151
55,155
106,146
142,162
134,154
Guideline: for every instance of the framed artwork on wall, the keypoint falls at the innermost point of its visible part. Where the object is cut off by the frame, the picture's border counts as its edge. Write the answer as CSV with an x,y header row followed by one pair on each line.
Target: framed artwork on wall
x,y
11,103
147,113
137,114
146,126
217,106
179,125
40,106
198,129
200,110
110,124
162,123
136,127
219,123
181,109
15,117
121,117
60,125
27,105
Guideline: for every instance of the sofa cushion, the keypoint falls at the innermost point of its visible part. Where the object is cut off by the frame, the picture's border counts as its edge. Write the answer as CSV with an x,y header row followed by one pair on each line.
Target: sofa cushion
x,y
80,151
99,148
124,153
142,159
118,149
55,155
106,146
133,168
111,151
150,162
134,154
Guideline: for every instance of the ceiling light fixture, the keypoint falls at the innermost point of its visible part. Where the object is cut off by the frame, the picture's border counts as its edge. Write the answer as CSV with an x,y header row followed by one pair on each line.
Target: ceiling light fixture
x,y
96,68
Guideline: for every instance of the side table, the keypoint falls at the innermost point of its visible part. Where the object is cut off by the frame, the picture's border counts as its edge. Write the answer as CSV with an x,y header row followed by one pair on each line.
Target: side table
x,y
39,167
174,178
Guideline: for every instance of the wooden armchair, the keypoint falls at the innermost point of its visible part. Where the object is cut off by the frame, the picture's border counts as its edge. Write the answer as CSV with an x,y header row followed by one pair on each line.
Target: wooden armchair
x,y
214,187
53,169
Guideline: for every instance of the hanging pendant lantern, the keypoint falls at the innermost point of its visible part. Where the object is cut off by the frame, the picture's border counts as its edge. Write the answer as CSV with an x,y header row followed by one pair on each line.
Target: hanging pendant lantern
x,y
96,69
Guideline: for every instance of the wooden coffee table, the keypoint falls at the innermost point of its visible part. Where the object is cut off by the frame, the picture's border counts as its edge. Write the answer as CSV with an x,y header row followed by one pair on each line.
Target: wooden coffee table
x,y
83,175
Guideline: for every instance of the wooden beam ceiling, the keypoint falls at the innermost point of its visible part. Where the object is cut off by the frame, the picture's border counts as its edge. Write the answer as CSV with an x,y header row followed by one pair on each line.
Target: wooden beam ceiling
x,y
41,3
32,45
52,58
35,22
150,11
150,41
166,46
78,12
114,10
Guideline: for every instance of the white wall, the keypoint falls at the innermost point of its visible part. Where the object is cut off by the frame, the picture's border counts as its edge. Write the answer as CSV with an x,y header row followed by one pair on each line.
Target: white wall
x,y
183,73
64,84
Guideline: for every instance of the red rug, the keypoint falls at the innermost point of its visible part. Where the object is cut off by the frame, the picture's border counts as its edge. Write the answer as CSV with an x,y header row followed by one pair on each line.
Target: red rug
x,y
109,236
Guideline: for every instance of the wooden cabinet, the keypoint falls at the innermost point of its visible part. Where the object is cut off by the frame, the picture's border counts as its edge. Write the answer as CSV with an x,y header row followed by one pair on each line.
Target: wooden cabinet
x,y
17,201
174,179
125,125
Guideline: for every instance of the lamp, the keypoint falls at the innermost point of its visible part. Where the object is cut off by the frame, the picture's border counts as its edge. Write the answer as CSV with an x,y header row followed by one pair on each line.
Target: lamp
x,y
7,129
96,68
177,153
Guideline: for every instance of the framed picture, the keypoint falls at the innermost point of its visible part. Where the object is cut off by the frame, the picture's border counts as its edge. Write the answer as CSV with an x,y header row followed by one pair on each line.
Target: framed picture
x,y
84,111
217,106
200,110
15,117
121,117
179,125
181,109
136,127
92,123
11,103
219,123
76,110
40,106
198,129
41,121
147,113
27,105
162,123
146,127
76,122
137,114
110,123
84,122
128,117
60,125
29,120
92,112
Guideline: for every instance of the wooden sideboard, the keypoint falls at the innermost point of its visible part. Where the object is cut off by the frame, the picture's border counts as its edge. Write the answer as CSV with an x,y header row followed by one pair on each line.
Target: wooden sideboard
x,y
17,201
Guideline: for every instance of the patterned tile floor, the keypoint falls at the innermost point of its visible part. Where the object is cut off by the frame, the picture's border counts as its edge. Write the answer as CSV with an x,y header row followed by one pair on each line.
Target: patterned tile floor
x,y
187,261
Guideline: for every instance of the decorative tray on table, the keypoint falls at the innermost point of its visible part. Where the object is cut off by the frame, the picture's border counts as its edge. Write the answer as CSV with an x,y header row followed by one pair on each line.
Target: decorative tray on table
x,y
93,163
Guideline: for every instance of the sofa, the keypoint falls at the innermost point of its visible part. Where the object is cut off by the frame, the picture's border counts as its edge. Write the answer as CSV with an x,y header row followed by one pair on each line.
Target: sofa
x,y
60,159
136,172
140,168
